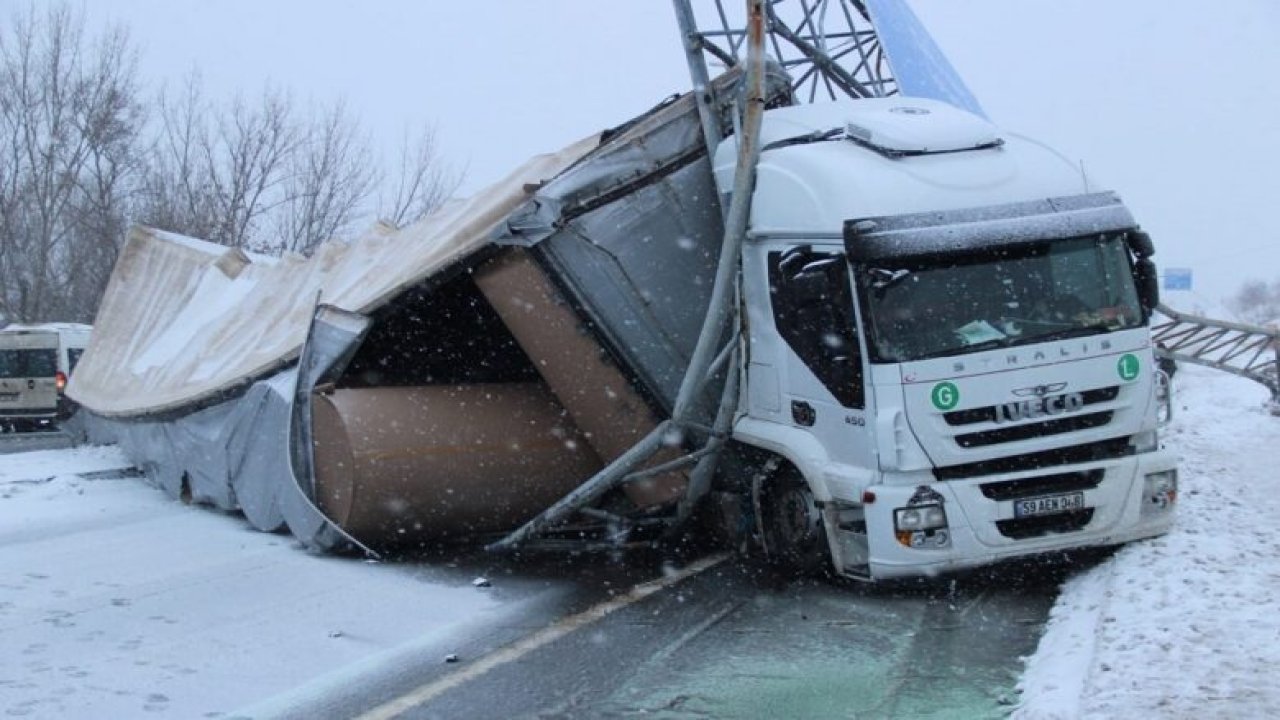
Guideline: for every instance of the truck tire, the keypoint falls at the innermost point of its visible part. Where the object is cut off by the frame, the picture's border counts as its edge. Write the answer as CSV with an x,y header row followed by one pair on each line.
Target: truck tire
x,y
791,524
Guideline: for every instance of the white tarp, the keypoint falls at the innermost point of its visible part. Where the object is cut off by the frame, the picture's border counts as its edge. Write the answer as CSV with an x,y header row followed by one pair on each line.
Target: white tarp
x,y
184,321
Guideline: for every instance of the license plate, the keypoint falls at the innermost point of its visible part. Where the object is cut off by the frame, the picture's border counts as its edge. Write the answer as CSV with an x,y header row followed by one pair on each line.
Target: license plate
x,y
8,396
1048,505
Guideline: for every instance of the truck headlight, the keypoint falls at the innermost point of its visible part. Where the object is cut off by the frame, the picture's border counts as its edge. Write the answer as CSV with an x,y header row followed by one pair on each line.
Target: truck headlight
x,y
1159,492
921,526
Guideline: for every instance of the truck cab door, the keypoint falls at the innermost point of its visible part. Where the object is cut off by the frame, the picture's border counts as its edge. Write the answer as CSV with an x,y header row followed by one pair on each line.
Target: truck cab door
x,y
824,388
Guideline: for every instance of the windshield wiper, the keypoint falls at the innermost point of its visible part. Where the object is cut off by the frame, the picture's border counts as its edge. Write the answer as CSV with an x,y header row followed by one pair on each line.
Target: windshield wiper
x,y
882,279
1065,333
813,137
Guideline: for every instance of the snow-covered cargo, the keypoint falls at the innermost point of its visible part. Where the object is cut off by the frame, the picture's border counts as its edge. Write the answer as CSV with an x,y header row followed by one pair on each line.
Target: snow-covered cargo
x,y
581,279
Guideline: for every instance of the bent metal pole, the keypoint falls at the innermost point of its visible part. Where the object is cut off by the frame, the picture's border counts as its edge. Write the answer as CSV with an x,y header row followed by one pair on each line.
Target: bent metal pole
x,y
718,311
735,224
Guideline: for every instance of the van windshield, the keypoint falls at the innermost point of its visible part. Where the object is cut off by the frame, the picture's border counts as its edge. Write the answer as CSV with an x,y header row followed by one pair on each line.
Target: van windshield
x,y
28,363
951,305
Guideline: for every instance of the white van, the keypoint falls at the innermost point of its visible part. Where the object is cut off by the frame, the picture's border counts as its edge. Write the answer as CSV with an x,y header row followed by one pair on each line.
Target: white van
x,y
36,362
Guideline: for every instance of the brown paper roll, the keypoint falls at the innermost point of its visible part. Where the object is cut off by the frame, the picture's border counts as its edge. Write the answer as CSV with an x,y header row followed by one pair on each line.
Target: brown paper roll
x,y
401,465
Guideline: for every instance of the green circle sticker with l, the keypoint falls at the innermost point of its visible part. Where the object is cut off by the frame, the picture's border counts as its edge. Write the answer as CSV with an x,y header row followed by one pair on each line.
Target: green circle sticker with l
x,y
945,395
1127,366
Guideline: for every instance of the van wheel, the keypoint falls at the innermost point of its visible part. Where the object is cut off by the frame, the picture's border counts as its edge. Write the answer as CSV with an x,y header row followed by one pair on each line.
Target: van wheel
x,y
794,537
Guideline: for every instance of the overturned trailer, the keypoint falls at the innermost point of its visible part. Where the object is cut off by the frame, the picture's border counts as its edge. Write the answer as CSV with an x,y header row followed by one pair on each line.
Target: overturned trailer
x,y
449,379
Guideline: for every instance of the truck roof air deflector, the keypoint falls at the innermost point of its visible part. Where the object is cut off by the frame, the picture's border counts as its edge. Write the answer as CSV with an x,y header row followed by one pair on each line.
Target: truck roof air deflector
x,y
967,229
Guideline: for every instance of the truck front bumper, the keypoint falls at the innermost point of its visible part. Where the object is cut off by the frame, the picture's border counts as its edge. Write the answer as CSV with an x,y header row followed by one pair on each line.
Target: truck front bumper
x,y
1134,499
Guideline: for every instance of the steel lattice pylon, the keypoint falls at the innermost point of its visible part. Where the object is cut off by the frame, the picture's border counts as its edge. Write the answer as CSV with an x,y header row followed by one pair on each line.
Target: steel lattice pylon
x,y
828,47
1245,350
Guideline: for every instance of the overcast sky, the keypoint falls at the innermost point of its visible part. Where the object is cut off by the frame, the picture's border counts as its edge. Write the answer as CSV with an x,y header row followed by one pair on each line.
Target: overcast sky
x,y
1172,103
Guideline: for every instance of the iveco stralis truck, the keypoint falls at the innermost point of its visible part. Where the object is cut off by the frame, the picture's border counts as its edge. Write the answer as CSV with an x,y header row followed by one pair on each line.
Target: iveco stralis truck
x,y
948,359
943,357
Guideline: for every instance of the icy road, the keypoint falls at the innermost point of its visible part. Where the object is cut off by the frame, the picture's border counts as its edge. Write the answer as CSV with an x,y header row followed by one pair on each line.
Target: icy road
x,y
118,602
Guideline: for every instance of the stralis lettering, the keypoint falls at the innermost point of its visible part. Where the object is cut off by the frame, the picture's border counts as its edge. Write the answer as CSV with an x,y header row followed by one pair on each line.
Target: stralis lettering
x,y
1038,407
1039,356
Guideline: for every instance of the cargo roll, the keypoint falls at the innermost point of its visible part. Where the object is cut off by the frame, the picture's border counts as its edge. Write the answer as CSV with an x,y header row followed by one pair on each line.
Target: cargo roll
x,y
404,465
595,391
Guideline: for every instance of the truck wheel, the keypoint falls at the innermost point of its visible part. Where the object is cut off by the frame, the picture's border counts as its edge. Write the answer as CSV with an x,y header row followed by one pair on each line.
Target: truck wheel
x,y
791,523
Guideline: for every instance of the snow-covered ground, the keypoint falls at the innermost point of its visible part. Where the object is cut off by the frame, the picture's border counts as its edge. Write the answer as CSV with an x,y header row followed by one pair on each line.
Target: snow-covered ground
x,y
1183,626
118,602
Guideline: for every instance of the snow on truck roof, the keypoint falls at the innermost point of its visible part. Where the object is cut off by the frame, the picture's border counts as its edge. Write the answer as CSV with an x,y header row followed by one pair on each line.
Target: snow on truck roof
x,y
183,320
825,163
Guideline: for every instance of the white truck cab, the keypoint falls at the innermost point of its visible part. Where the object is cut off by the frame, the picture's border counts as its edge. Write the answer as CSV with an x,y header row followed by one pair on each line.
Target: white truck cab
x,y
949,355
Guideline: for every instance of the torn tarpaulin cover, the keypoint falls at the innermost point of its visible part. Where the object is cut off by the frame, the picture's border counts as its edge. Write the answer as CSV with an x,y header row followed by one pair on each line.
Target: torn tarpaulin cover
x,y
190,366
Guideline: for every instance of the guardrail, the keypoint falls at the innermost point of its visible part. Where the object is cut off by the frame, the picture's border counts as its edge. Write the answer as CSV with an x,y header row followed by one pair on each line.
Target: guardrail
x,y
1249,351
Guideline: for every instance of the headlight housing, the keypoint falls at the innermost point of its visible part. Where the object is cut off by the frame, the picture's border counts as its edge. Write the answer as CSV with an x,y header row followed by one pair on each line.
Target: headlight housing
x,y
1159,492
919,526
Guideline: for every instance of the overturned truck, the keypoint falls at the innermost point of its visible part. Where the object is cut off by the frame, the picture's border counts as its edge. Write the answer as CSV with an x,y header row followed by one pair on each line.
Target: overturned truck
x,y
449,379
881,336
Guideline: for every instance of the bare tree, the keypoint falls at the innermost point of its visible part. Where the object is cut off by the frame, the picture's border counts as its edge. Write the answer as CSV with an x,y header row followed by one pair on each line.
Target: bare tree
x,y
249,154
69,116
178,190
422,181
74,170
1257,301
329,179
216,174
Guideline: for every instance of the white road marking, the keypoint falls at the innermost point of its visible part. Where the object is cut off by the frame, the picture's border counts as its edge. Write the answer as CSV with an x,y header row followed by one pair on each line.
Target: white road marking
x,y
514,651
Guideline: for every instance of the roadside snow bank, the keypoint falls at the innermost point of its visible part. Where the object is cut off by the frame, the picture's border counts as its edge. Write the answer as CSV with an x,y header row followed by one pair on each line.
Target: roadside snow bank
x,y
1184,625
40,466
118,602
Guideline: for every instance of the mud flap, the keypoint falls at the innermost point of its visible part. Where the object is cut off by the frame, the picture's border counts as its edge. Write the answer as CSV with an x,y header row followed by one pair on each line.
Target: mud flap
x,y
332,340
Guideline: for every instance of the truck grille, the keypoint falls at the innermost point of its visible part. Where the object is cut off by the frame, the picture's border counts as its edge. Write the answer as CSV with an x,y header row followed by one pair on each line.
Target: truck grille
x,y
1036,429
1023,528
988,413
1088,452
1042,485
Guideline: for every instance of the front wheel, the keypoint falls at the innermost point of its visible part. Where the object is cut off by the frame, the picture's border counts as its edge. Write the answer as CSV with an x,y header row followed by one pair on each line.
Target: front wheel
x,y
790,522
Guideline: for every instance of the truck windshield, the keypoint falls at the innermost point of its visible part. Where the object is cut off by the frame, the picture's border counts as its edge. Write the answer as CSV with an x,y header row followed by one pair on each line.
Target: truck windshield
x,y
950,305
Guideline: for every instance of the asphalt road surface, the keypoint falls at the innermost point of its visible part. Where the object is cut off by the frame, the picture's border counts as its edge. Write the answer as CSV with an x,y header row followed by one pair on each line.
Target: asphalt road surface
x,y
121,601
724,638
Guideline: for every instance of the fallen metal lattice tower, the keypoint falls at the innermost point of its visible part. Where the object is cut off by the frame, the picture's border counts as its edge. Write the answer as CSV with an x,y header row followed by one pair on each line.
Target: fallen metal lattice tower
x,y
829,47
1249,351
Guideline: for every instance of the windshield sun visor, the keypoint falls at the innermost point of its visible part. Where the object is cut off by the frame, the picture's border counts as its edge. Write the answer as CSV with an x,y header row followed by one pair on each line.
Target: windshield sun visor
x,y
970,229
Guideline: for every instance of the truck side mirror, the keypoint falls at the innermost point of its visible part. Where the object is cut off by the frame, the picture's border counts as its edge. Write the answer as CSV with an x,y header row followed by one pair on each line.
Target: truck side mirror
x,y
1148,282
1140,244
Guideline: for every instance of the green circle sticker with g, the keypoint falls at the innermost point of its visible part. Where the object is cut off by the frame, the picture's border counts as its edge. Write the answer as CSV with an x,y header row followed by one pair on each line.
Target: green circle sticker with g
x,y
945,395
1127,366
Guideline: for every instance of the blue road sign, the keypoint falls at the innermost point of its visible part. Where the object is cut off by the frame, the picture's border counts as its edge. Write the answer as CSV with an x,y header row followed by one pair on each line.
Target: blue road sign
x,y
1177,278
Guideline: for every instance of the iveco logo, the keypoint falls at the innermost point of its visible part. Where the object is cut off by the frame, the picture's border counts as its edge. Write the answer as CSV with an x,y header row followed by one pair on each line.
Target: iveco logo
x,y
1039,406
1039,390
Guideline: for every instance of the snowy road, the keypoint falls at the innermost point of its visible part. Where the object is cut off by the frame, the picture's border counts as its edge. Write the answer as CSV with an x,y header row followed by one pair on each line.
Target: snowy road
x,y
28,441
118,602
